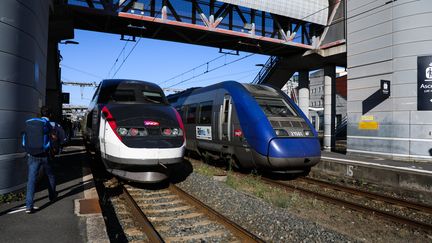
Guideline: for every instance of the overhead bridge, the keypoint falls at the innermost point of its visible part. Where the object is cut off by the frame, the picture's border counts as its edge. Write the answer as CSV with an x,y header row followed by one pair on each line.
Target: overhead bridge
x,y
276,27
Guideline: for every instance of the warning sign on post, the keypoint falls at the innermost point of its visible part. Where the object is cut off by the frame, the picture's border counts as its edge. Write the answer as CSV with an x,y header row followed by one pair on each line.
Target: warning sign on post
x,y
424,83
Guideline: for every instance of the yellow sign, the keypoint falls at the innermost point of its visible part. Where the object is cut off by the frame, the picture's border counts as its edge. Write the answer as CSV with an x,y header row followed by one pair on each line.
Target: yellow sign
x,y
368,125
367,118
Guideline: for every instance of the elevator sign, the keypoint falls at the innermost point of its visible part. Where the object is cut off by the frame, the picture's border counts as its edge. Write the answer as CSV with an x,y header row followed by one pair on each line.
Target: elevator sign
x,y
424,83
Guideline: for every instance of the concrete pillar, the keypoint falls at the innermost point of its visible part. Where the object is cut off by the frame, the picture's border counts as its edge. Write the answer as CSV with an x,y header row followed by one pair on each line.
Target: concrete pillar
x,y
53,83
23,52
304,92
329,107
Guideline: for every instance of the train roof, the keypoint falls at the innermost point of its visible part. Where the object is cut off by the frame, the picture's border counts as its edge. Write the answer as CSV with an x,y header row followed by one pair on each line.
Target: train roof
x,y
107,83
252,88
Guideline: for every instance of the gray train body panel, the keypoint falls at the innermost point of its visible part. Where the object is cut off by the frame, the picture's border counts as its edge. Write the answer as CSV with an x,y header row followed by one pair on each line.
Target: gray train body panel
x,y
222,144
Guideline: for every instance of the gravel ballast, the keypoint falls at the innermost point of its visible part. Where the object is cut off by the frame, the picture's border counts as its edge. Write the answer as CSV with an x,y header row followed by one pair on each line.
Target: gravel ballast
x,y
270,223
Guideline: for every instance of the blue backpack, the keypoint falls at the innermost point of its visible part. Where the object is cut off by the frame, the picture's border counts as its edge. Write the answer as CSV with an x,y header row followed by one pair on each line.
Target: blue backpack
x,y
36,137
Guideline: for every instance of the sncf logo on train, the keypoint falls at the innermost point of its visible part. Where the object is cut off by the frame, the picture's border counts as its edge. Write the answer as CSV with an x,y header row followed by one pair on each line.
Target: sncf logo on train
x,y
151,123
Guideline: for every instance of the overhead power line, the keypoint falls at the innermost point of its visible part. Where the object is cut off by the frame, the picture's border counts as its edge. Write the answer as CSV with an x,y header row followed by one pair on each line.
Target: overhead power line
x,y
81,71
124,60
116,60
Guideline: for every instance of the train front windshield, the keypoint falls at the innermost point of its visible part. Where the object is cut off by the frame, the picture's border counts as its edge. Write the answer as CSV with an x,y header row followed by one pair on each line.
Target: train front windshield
x,y
141,96
276,108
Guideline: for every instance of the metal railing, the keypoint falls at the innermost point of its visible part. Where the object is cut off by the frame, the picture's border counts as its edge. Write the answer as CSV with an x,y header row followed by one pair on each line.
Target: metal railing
x,y
267,68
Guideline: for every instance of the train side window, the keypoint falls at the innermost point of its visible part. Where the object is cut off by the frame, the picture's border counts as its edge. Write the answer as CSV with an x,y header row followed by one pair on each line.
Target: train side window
x,y
89,120
226,109
183,115
205,112
96,92
191,114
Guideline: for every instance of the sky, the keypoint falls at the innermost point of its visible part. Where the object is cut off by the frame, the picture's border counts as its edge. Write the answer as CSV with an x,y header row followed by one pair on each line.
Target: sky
x,y
94,59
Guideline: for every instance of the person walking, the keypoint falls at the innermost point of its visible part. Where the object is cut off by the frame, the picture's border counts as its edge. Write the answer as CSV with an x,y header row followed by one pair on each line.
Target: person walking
x,y
37,143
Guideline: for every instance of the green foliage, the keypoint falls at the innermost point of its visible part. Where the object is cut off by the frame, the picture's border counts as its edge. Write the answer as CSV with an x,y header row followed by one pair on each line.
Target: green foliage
x,y
11,197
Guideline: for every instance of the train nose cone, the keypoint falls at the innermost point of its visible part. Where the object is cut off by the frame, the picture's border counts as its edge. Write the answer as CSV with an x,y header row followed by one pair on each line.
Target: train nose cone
x,y
286,153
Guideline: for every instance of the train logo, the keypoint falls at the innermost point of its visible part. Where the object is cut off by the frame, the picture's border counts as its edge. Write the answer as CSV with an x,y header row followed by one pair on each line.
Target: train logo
x,y
151,123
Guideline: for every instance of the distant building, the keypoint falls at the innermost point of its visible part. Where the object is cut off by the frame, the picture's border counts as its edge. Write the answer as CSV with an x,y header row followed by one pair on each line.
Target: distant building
x,y
316,96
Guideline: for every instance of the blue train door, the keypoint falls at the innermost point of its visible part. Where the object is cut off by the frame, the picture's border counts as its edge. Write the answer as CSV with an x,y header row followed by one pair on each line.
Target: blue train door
x,y
225,119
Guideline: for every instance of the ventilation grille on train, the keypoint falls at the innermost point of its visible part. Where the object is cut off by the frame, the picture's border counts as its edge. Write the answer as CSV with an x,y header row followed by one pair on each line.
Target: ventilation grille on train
x,y
297,124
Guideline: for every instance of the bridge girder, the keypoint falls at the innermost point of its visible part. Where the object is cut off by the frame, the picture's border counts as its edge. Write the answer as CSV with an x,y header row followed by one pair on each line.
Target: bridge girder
x,y
201,22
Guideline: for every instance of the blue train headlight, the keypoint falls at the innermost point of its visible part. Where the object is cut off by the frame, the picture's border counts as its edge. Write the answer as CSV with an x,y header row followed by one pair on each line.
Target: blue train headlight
x,y
308,133
281,132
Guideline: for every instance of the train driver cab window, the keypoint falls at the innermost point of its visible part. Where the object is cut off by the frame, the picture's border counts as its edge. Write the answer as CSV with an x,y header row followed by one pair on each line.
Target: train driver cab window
x,y
124,95
153,97
205,112
191,114
276,108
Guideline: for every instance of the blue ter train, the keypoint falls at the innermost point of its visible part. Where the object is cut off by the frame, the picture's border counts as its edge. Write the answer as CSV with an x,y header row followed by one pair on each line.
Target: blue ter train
x,y
250,126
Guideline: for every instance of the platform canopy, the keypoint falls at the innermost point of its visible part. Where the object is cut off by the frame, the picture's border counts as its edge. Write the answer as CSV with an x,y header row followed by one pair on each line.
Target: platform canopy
x,y
312,11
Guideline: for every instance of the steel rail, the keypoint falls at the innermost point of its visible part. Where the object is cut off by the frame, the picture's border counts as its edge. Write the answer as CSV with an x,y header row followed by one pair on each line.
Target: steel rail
x,y
351,205
379,197
237,230
142,219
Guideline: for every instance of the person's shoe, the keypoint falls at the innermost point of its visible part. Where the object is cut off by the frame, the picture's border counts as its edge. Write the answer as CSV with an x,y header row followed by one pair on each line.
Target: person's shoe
x,y
54,198
31,210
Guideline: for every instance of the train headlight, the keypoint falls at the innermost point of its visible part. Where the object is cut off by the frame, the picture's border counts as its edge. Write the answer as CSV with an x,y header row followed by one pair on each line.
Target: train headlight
x,y
167,132
133,132
281,132
122,131
175,131
308,133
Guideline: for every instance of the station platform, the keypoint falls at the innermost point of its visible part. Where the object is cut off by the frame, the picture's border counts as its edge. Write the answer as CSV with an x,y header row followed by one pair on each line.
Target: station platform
x,y
74,217
407,177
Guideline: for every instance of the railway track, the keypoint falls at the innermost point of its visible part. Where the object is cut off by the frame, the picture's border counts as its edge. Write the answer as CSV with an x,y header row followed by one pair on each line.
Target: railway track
x,y
172,215
359,200
391,208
